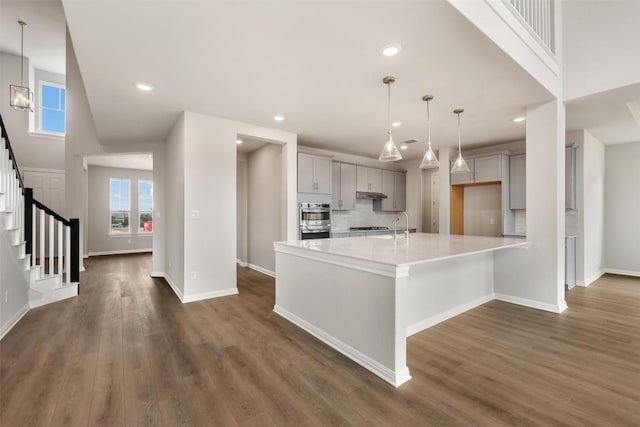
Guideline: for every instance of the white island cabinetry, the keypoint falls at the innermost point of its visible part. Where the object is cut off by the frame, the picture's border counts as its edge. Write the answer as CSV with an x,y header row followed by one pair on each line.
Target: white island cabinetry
x,y
364,295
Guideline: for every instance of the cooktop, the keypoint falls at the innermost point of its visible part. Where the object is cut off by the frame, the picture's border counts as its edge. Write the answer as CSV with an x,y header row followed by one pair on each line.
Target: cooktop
x,y
368,228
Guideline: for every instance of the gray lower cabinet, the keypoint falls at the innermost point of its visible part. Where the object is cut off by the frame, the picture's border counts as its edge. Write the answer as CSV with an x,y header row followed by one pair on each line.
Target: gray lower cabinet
x,y
570,262
339,235
518,181
343,194
394,186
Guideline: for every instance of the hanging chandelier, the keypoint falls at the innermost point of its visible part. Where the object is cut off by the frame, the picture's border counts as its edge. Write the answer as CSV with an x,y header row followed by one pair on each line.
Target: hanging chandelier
x,y
390,152
429,160
21,97
459,166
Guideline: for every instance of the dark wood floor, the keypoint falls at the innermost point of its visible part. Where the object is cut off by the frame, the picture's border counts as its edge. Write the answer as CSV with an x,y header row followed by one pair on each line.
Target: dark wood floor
x,y
126,352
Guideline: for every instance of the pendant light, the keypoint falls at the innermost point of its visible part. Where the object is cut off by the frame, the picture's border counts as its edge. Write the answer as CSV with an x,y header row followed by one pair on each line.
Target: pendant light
x,y
390,152
429,160
459,166
21,97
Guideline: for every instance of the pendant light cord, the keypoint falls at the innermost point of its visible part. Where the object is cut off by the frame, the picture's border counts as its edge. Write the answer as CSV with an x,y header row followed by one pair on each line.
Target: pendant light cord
x,y
459,138
429,124
22,24
389,109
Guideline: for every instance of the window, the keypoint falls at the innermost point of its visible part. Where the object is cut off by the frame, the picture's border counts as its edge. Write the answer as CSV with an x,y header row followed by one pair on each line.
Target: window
x,y
120,205
52,108
145,206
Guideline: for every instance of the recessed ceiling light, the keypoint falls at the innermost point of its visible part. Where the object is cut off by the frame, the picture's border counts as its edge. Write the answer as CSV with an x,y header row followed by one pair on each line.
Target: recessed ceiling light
x,y
391,49
238,141
146,87
396,124
278,117
518,119
404,147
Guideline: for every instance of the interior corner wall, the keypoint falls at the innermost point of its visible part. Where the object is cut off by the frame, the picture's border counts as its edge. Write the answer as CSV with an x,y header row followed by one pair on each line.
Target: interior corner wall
x,y
210,199
174,167
535,276
13,284
264,198
38,151
241,208
100,240
622,207
415,193
82,140
590,186
444,192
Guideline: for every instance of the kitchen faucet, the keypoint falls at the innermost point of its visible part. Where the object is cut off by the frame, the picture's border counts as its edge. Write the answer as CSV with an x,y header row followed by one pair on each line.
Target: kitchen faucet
x,y
406,230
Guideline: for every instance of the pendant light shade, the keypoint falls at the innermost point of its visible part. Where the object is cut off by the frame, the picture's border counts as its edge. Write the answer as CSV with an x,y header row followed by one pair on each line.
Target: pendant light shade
x,y
21,97
459,166
429,160
390,152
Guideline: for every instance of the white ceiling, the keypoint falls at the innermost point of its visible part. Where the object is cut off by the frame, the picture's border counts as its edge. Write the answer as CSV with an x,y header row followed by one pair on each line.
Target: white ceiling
x,y
249,145
606,115
44,35
143,161
318,63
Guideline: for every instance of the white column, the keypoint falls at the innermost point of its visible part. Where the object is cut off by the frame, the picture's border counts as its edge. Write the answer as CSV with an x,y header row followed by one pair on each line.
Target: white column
x,y
444,192
535,276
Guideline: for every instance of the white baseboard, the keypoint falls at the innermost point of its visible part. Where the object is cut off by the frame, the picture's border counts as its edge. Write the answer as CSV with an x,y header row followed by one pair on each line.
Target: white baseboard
x,y
173,286
452,312
622,272
394,378
242,263
209,295
120,252
197,297
4,330
532,303
157,274
262,270
590,280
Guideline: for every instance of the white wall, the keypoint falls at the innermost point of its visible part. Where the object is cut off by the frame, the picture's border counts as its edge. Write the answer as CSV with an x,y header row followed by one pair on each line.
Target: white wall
x,y
535,276
210,188
36,151
482,204
622,209
264,198
174,217
13,282
590,184
600,46
100,241
241,208
82,140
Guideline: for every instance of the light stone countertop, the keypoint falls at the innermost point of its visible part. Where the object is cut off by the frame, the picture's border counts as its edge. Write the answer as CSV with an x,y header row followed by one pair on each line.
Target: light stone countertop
x,y
421,248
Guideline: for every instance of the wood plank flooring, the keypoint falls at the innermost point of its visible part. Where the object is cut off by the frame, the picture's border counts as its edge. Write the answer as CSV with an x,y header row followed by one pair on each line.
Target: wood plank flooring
x,y
126,352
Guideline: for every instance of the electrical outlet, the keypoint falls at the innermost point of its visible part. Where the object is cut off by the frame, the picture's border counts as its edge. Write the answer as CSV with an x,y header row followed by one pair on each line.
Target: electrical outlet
x,y
193,275
195,214
492,221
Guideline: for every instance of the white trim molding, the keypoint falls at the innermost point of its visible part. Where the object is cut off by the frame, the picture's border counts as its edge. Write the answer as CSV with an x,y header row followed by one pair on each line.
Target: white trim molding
x,y
173,286
13,321
394,378
590,280
622,272
209,295
157,274
554,308
446,315
262,270
121,252
242,263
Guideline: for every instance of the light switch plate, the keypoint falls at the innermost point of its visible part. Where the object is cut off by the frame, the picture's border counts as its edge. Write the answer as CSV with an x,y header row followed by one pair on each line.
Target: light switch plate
x,y
195,214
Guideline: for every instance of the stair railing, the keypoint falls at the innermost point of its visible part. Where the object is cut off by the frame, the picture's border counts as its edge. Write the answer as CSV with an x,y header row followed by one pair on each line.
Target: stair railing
x,y
31,217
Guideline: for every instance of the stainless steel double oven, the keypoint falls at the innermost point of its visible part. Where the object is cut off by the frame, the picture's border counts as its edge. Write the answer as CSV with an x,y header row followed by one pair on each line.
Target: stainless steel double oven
x,y
315,221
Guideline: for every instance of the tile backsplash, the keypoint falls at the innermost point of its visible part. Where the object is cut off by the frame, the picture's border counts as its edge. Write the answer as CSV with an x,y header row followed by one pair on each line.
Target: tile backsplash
x,y
570,222
362,216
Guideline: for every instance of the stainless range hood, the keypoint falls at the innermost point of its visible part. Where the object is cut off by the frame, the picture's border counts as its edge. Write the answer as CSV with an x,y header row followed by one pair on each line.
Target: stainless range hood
x,y
369,195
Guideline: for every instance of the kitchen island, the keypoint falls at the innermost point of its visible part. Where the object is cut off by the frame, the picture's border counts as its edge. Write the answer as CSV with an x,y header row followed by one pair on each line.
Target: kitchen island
x,y
364,295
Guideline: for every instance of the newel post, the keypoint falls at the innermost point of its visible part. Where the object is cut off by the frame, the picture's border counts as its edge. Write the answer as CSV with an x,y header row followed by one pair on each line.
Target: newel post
x,y
75,249
28,220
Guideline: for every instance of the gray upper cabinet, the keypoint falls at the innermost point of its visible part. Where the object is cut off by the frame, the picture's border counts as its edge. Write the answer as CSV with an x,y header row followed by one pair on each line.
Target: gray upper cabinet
x,y
343,195
518,181
314,174
463,178
488,169
368,179
570,178
394,186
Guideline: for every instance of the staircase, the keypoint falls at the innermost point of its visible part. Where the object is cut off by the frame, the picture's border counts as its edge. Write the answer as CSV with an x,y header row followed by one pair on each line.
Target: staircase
x,y
45,245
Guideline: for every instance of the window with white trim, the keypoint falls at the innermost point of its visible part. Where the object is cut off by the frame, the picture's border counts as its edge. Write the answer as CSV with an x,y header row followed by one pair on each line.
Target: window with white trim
x,y
145,206
52,108
120,205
